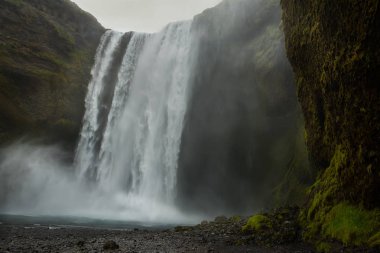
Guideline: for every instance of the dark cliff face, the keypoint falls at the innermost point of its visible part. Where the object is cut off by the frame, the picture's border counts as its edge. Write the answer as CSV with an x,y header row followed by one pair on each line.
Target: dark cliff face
x,y
243,139
333,48
46,53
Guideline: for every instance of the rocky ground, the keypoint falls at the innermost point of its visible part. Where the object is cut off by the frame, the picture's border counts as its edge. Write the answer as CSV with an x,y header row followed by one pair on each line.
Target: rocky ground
x,y
221,235
275,232
16,238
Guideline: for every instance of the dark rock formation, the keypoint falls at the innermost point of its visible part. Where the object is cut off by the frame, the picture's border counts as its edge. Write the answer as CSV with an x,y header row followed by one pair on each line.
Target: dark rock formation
x,y
243,140
333,48
46,53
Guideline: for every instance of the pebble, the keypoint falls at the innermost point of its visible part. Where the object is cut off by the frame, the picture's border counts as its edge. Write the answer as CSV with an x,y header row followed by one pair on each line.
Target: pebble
x,y
205,238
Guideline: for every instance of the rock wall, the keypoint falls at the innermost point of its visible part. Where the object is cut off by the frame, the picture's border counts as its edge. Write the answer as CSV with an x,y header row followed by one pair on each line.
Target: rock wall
x,y
333,48
243,143
46,54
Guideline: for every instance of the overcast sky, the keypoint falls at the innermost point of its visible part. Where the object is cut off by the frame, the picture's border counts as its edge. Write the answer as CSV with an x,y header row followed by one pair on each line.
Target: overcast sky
x,y
143,15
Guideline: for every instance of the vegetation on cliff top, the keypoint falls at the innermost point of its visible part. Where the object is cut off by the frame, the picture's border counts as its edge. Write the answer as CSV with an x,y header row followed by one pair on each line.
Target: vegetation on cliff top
x,y
46,53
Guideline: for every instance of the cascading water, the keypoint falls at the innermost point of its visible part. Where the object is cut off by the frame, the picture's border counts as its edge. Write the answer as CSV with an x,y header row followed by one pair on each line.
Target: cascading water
x,y
136,152
90,134
138,159
125,165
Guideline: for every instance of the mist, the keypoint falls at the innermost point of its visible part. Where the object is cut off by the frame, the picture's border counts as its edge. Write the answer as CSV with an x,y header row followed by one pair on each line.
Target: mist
x,y
244,126
197,120
35,181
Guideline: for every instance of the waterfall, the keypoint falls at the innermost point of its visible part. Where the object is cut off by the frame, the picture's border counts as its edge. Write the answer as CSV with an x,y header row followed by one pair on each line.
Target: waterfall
x,y
198,120
134,148
90,133
126,161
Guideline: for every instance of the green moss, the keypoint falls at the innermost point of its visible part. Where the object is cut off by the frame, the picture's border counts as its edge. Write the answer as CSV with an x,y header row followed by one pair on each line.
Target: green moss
x,y
324,247
43,79
350,224
257,222
235,218
63,34
326,218
338,92
326,187
374,241
53,58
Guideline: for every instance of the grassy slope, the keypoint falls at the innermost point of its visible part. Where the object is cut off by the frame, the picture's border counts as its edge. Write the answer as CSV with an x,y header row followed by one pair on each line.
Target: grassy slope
x,y
46,53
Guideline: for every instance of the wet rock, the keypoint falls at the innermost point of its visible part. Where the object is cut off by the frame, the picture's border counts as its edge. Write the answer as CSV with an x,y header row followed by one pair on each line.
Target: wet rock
x,y
220,219
110,245
281,228
197,239
182,229
204,223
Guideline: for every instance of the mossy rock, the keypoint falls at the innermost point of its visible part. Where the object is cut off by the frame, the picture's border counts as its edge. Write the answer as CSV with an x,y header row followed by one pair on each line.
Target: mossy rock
x,y
351,225
257,222
333,49
235,219
324,247
374,241
277,227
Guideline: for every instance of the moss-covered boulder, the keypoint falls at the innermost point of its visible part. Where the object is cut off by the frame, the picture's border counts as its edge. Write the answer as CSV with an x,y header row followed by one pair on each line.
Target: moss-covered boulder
x,y
280,226
46,53
257,222
333,48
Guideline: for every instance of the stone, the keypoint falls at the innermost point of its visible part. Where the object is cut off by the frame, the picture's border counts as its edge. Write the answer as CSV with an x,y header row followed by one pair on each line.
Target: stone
x,y
110,245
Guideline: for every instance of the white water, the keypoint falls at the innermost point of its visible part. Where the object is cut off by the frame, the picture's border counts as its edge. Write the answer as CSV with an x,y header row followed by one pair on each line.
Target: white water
x,y
140,144
86,147
126,169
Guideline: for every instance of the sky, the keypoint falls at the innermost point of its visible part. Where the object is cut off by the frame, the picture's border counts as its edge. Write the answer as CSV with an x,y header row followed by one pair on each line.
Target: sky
x,y
143,15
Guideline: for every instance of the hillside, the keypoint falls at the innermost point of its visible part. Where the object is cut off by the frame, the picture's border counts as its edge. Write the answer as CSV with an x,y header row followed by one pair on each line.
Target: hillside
x,y
46,53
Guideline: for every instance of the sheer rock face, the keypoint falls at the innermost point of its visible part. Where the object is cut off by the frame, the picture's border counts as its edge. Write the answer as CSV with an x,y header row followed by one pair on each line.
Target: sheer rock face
x,y
333,48
46,53
243,141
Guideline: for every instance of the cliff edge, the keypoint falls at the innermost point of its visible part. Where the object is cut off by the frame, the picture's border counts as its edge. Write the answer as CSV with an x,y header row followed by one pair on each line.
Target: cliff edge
x,y
46,53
